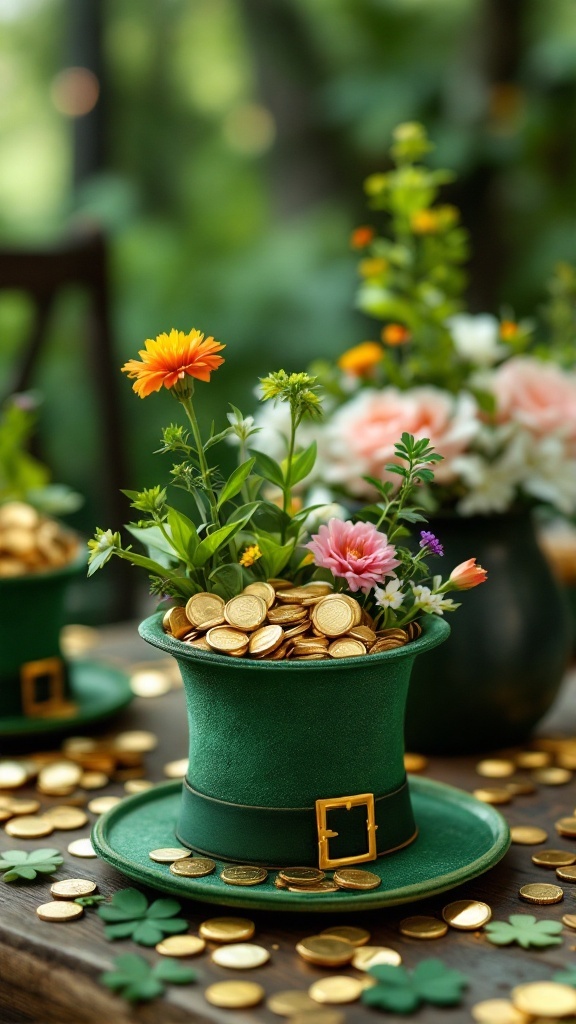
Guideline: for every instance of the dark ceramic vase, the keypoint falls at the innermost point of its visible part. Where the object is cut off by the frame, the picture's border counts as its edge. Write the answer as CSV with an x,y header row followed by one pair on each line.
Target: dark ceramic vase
x,y
508,650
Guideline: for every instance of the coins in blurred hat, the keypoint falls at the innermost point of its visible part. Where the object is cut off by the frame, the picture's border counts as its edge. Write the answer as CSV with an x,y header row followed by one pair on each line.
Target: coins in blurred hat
x,y
72,888
181,945
234,995
541,893
150,683
192,867
240,956
227,929
354,878
325,950
240,874
422,927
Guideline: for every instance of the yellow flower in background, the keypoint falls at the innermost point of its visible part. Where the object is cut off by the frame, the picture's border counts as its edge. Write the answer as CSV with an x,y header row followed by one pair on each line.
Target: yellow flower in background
x,y
362,236
170,358
373,267
361,359
425,222
250,555
395,334
509,330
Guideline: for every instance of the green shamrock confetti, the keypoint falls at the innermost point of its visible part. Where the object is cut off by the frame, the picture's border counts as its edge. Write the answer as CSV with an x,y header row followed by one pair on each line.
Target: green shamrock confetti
x,y
137,981
401,991
525,930
21,864
129,916
566,977
90,901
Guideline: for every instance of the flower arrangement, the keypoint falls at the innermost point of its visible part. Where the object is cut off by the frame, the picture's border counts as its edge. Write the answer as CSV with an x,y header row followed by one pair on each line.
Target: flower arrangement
x,y
249,529
497,397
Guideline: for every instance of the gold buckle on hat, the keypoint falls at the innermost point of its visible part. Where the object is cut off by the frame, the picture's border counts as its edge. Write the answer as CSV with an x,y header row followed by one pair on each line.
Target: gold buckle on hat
x,y
325,833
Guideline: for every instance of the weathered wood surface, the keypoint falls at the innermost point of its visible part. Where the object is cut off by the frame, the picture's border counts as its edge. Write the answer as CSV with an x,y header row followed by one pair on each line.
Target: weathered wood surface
x,y
49,972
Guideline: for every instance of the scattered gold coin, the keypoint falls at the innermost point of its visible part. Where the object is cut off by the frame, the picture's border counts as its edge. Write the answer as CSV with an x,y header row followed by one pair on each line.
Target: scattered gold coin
x,y
181,945
523,788
545,999
552,776
168,854
136,741
239,874
132,786
66,818
325,950
286,1004
357,936
240,956
55,779
60,911
553,858
12,774
569,920
493,795
498,1011
467,915
423,927
566,827
19,805
495,768
533,759
538,892
528,835
336,989
72,888
176,769
301,876
567,874
82,848
192,867
150,683
353,878
415,762
29,827
227,929
234,995
102,804
366,957
93,780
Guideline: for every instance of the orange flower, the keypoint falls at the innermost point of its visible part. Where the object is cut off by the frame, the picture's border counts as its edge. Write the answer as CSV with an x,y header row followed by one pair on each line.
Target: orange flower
x,y
373,267
395,334
168,359
424,222
362,236
467,575
359,360
509,330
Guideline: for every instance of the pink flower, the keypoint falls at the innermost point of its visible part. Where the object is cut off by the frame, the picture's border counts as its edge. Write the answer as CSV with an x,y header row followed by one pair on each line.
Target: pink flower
x,y
538,395
359,440
468,575
357,552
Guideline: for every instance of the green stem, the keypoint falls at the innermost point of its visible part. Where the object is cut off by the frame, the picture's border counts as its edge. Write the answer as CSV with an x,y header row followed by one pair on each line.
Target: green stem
x,y
287,490
204,468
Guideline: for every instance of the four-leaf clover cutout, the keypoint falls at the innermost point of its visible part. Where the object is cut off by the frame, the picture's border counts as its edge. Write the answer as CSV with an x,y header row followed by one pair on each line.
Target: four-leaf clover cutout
x,y
566,977
402,991
525,930
129,916
136,980
20,864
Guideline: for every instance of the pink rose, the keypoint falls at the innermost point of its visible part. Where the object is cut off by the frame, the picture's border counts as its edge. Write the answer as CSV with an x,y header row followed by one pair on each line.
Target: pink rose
x,y
468,575
538,395
356,552
359,440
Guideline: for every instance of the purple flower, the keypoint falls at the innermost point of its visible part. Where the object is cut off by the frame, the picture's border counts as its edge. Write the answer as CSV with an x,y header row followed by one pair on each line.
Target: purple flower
x,y
431,542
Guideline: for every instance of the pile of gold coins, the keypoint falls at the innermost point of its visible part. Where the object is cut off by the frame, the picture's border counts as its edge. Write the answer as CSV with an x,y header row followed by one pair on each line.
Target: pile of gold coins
x,y
30,542
276,620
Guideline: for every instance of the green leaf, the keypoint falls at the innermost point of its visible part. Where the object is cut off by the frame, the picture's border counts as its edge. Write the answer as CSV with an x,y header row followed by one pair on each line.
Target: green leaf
x,y
90,901
129,915
137,981
229,580
303,464
214,541
126,905
163,908
275,557
174,973
401,991
235,481
19,864
566,977
524,929
155,543
184,534
268,469
438,984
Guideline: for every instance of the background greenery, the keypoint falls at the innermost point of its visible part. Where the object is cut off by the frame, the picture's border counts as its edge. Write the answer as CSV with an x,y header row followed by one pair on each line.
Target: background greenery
x,y
226,157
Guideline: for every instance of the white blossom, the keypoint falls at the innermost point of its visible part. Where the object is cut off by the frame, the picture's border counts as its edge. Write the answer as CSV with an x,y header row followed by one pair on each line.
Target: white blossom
x,y
389,596
476,338
428,601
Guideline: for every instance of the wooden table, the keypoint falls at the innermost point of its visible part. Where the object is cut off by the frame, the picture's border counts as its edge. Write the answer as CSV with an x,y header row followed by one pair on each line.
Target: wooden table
x,y
49,973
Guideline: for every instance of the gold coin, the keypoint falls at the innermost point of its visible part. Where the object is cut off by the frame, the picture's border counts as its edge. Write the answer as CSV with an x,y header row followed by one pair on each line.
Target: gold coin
x,y
176,769
498,1011
246,611
386,644
415,762
353,878
266,640
133,786
59,911
192,867
570,921
240,956
29,827
368,956
66,818
528,835
263,590
567,874
352,603
181,945
495,768
539,892
150,683
177,622
336,989
240,874
72,888
364,633
298,630
553,858
533,759
346,647
21,805
226,640
82,848
333,616
493,795
325,886
566,759
93,780
12,774
201,644
357,936
286,1004
60,775
301,876
325,950
102,804
552,776
521,788
545,999
227,929
136,741
288,615
318,1016
467,915
234,995
168,854
566,827
422,927
203,608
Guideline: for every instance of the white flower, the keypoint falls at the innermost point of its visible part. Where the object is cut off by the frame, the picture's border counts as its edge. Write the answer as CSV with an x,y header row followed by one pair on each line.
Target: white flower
x,y
389,596
436,604
551,474
242,427
328,508
476,338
